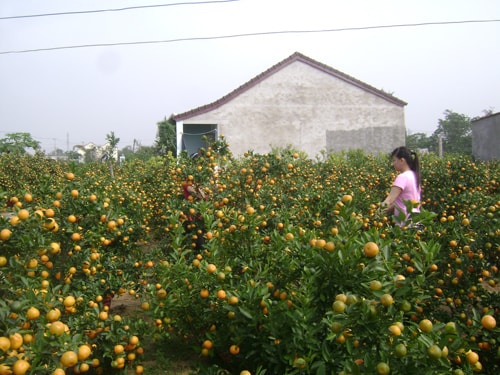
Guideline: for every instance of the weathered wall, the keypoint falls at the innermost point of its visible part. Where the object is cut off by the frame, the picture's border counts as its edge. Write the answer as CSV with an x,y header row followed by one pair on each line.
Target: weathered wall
x,y
310,110
486,138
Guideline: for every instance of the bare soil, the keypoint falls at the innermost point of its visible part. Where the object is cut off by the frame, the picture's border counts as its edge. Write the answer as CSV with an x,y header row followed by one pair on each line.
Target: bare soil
x,y
157,360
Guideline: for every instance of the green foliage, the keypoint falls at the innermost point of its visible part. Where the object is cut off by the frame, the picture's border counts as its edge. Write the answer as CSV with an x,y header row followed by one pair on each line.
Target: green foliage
x,y
17,143
287,238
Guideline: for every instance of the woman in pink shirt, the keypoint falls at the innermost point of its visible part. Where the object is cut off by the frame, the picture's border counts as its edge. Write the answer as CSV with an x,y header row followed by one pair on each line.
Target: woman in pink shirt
x,y
406,186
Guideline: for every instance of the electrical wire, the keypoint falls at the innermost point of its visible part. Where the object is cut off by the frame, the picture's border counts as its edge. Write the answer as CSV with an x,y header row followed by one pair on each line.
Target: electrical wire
x,y
115,9
188,39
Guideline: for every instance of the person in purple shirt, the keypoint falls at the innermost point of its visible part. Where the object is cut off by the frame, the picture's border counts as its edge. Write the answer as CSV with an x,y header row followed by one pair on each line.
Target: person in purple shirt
x,y
406,186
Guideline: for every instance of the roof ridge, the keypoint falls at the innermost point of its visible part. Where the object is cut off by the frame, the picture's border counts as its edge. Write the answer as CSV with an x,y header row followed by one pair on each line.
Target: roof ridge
x,y
296,56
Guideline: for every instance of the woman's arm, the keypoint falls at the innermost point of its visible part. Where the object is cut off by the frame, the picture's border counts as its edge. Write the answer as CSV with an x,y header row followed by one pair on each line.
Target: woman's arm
x,y
388,204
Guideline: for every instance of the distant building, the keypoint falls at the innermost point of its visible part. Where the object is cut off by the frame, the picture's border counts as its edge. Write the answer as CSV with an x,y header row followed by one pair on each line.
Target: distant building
x,y
486,137
94,152
301,103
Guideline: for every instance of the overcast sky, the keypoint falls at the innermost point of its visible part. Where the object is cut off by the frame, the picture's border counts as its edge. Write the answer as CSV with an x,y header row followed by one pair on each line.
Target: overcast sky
x,y
70,96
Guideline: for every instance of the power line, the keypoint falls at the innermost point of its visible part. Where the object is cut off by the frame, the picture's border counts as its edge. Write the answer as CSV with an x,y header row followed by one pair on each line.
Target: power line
x,y
114,9
361,28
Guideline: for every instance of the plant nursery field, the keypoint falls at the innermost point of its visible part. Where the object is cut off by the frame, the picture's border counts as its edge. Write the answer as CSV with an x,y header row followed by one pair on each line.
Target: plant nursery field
x,y
287,267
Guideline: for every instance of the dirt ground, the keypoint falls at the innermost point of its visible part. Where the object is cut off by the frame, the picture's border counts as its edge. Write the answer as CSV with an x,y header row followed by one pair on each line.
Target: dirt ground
x,y
156,360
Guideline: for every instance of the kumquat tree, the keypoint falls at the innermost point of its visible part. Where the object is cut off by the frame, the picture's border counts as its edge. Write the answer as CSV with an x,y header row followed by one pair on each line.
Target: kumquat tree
x,y
285,267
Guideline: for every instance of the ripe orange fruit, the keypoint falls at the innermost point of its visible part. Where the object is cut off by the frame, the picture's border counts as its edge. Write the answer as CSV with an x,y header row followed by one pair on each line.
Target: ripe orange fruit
x,y
3,261
330,246
211,268
74,193
347,198
4,343
139,369
32,313
59,371
16,341
23,214
395,330
5,234
234,349
371,249
425,325
20,367
472,357
489,322
119,349
69,359
57,328
221,294
84,352
207,344
50,213
69,301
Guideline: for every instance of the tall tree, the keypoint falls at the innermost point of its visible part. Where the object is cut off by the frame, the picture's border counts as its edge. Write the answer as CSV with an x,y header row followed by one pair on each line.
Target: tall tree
x,y
110,149
17,143
455,131
166,138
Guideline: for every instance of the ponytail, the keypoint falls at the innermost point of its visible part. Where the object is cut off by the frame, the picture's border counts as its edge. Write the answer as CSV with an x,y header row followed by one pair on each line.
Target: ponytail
x,y
411,158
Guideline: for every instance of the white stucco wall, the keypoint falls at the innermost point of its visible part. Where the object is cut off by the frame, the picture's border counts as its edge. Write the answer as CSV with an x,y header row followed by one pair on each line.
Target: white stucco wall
x,y
310,110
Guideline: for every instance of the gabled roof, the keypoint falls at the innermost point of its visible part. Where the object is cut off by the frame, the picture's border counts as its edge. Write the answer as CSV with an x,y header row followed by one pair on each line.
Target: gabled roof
x,y
289,60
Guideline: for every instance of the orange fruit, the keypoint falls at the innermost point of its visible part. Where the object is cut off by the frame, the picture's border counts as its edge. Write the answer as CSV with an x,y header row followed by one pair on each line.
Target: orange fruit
x,y
33,313
28,198
425,325
234,349
339,306
16,341
23,214
119,349
245,372
84,352
472,357
59,371
5,234
139,369
383,368
74,193
3,261
69,301
50,213
69,359
207,344
4,343
400,350
434,352
395,330
489,322
211,268
221,294
386,300
371,249
20,367
329,246
375,285
57,328
70,176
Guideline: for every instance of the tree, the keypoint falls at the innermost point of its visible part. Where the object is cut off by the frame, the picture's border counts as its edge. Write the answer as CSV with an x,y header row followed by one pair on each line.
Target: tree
x,y
109,151
166,138
456,133
418,141
17,143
